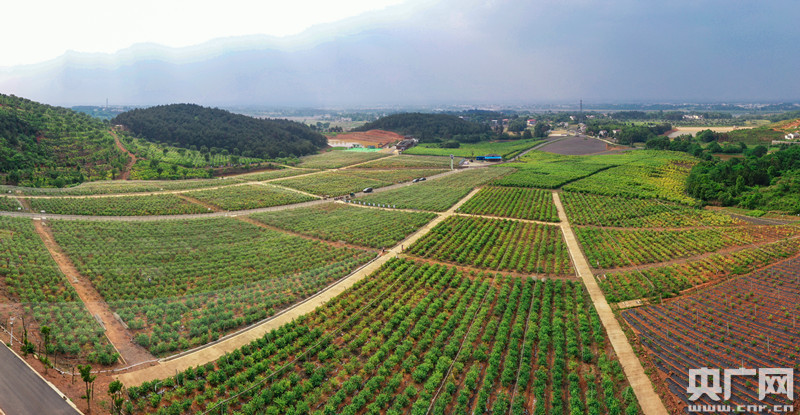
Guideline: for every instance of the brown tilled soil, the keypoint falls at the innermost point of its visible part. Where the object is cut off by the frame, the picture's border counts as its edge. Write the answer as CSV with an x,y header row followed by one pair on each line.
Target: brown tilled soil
x,y
377,138
578,146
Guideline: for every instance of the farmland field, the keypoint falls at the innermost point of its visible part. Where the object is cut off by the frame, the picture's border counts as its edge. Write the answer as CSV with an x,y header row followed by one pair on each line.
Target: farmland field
x,y
334,222
390,344
549,171
339,158
437,194
9,203
331,183
607,248
179,284
249,196
507,149
30,278
512,202
496,244
588,209
164,204
394,176
747,322
670,280
411,162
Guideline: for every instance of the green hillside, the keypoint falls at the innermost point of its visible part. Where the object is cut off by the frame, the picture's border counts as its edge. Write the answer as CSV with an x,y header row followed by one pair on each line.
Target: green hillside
x,y
200,128
46,146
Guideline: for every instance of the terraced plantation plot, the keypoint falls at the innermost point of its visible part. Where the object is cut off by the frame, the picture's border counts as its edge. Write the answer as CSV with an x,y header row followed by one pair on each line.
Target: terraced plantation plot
x,y
331,183
338,158
30,278
668,281
337,222
587,209
394,176
507,149
271,174
9,203
511,202
747,322
118,187
392,345
165,204
606,248
666,181
437,194
249,196
550,171
496,244
411,162
183,283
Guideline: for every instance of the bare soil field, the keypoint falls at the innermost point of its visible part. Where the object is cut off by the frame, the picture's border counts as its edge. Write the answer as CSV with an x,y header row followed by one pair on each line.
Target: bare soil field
x,y
578,146
694,130
377,138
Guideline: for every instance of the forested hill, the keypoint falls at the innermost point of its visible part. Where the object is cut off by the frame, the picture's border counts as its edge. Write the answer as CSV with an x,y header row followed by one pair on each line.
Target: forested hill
x,y
430,127
189,125
42,145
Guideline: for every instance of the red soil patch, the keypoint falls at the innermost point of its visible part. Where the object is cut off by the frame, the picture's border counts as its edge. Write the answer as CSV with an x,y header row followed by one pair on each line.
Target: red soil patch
x,y
377,138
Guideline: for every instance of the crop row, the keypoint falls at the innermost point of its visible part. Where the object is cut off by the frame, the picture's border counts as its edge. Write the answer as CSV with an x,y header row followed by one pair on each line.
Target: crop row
x,y
9,204
393,176
588,209
411,162
607,248
168,260
666,181
416,338
337,222
331,183
440,193
748,322
339,158
670,280
549,174
496,244
30,278
507,149
510,202
249,196
164,204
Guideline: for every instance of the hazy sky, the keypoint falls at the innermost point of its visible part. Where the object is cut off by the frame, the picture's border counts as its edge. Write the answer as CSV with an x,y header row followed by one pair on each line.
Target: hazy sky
x,y
401,52
35,31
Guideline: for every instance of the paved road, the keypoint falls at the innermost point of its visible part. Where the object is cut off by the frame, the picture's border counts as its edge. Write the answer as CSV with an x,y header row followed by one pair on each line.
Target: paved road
x,y
642,387
23,392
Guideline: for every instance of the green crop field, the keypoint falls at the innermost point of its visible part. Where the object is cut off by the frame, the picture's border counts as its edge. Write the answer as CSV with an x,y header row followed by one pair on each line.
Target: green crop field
x,y
164,204
30,278
249,196
179,284
331,183
338,158
411,162
512,202
337,222
496,244
414,337
437,194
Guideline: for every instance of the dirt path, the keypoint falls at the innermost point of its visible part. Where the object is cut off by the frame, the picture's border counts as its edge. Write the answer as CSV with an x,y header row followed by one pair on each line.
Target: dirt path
x,y
645,393
119,336
25,203
211,352
126,174
209,206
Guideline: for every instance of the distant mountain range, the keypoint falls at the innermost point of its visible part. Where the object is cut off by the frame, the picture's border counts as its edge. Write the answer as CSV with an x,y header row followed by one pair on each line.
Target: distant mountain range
x,y
448,51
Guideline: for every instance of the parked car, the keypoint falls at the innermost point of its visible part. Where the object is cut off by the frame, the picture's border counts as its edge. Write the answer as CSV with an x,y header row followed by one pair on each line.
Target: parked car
x,y
368,190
